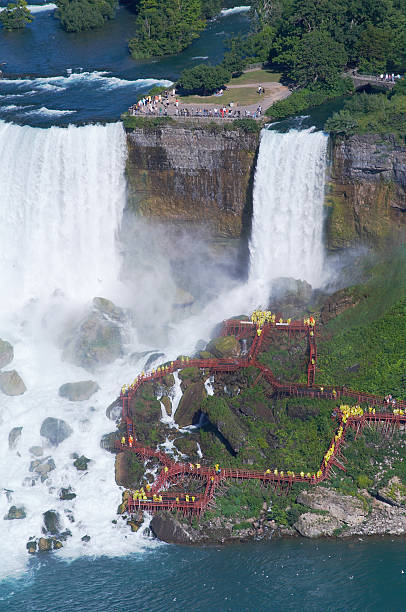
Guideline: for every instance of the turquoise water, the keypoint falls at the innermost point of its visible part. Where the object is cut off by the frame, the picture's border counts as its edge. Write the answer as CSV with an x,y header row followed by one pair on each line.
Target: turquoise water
x,y
277,575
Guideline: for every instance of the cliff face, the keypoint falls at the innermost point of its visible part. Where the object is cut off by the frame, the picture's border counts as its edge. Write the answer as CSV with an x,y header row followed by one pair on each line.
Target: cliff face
x,y
186,174
367,197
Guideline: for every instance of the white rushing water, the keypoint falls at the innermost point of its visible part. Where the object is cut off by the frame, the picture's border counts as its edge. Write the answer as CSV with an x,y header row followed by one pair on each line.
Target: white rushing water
x,y
62,195
61,200
287,225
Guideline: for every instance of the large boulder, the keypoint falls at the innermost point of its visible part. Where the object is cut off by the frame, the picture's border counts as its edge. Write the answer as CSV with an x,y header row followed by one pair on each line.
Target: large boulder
x,y
11,383
188,411
52,522
15,513
55,430
168,529
79,391
345,508
6,353
97,340
312,525
14,436
224,346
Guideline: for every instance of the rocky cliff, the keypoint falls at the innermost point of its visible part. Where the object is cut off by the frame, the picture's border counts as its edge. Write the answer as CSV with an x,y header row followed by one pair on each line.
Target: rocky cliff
x,y
189,174
367,196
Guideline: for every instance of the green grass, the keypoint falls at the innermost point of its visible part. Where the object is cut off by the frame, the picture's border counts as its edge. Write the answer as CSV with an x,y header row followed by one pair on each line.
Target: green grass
x,y
243,96
257,77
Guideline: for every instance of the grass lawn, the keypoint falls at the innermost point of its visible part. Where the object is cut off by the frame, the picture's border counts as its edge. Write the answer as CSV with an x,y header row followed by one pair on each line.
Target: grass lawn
x,y
243,95
256,76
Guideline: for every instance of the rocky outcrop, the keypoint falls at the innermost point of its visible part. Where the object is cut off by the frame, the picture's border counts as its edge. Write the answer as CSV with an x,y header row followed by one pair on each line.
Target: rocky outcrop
x,y
81,463
55,430
15,513
312,525
367,198
97,339
188,411
225,346
14,436
189,174
345,508
11,383
78,391
42,467
6,353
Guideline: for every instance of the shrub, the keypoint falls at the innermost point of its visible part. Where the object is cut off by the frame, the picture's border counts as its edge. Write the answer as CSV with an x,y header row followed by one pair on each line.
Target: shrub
x,y
203,79
15,16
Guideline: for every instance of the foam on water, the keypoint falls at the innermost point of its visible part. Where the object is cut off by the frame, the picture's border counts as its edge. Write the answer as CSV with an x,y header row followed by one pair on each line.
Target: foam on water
x,y
234,10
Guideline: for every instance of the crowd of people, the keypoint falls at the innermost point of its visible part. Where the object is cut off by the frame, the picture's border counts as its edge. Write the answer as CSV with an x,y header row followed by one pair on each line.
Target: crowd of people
x,y
390,78
168,104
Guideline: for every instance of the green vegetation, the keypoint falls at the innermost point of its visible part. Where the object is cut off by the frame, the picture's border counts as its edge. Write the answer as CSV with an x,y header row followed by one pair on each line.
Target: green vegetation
x,y
203,79
165,27
309,97
77,15
376,113
15,16
132,121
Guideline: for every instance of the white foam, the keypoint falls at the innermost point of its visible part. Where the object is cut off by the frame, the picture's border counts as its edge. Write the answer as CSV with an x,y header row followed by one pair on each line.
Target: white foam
x,y
50,112
234,11
97,77
40,8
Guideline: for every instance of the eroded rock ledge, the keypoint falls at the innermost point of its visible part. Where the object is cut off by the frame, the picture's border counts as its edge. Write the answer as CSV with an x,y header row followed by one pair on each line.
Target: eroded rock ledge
x,y
191,175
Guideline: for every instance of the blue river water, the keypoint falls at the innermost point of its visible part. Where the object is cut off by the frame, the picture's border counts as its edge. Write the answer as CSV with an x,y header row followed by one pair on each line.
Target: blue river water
x,y
55,77
278,575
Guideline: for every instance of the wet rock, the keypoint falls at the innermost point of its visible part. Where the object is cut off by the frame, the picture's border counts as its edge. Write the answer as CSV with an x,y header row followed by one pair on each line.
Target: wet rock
x,y
37,451
52,522
340,301
151,359
188,411
290,295
168,529
55,430
44,544
345,508
168,404
81,463
312,525
11,383
108,441
6,353
66,494
31,547
14,436
113,412
15,513
42,467
224,346
85,538
97,340
78,391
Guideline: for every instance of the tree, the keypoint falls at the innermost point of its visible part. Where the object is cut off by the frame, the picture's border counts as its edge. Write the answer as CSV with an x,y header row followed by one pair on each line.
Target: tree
x,y
315,57
203,79
374,47
165,27
77,15
15,16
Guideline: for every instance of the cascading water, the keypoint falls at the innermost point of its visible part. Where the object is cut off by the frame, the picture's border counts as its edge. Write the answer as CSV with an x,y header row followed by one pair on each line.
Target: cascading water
x,y
287,225
62,196
61,199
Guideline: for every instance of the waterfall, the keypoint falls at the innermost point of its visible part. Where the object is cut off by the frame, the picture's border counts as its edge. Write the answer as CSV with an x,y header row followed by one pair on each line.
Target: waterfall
x,y
287,225
61,199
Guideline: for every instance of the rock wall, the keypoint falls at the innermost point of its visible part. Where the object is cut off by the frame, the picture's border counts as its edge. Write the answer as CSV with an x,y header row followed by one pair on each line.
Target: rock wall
x,y
188,174
367,197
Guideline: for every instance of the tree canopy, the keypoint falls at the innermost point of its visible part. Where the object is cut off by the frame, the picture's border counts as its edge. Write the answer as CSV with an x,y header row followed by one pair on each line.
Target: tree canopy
x,y
15,16
203,79
77,15
165,27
